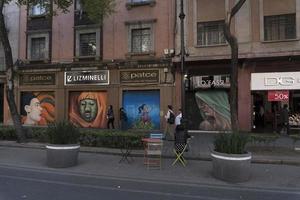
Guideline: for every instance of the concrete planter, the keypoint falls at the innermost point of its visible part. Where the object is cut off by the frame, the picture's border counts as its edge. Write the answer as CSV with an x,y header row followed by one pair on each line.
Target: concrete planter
x,y
231,167
60,156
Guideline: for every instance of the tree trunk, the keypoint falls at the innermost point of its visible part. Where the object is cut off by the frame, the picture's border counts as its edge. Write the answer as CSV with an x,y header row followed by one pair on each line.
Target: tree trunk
x,y
231,39
10,96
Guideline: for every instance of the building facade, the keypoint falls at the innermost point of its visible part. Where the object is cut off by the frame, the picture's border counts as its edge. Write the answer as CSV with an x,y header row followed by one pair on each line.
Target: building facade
x,y
75,68
268,36
11,14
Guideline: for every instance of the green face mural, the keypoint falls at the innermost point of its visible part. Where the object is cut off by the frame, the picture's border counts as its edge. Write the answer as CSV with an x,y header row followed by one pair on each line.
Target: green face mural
x,y
88,109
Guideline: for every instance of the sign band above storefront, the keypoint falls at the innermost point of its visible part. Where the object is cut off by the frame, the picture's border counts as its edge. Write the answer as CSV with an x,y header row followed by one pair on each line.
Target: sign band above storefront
x,y
100,77
139,76
275,81
37,79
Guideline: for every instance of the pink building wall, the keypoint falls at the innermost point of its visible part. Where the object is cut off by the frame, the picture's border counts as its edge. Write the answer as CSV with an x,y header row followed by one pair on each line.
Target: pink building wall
x,y
115,32
63,37
244,98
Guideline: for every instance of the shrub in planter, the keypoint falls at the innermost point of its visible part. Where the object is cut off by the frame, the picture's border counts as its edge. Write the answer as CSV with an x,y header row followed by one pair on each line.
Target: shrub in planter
x,y
63,148
231,161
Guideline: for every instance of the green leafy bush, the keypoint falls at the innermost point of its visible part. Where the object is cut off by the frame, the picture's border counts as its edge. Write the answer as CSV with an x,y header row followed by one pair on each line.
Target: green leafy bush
x,y
87,137
111,138
231,143
62,133
7,133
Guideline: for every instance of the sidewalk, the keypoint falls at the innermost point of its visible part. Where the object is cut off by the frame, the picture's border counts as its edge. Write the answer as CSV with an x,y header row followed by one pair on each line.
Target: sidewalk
x,y
279,152
104,166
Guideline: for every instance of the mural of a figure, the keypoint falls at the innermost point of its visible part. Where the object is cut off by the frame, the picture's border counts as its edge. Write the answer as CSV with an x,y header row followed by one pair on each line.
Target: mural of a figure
x,y
37,108
87,109
215,110
143,109
144,112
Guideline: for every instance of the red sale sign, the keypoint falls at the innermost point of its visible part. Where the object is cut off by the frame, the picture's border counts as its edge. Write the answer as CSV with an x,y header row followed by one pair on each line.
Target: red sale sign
x,y
278,95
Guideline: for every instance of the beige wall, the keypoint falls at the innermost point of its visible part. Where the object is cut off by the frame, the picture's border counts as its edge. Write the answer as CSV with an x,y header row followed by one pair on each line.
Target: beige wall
x,y
247,26
278,7
210,10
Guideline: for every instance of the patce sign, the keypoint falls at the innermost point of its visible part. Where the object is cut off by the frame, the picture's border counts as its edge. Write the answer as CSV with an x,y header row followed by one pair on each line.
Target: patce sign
x,y
37,79
139,76
275,81
100,77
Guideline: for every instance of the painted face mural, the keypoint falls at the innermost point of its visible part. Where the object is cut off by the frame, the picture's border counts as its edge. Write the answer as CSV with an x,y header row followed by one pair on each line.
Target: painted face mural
x,y
37,108
87,109
214,110
142,109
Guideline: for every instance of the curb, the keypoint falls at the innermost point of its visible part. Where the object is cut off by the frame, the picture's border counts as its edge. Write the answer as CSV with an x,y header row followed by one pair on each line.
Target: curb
x,y
139,153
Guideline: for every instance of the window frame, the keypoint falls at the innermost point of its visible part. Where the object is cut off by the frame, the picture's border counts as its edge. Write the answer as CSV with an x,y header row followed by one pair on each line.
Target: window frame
x,y
141,25
140,35
279,26
40,14
78,32
29,46
135,3
2,64
206,24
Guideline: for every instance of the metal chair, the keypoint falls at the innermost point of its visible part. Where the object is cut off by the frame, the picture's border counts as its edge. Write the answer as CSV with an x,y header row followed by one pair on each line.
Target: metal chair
x,y
180,146
153,150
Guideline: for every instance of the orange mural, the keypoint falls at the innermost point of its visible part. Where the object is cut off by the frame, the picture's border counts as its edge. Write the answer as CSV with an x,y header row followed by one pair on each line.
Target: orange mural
x,y
37,108
88,109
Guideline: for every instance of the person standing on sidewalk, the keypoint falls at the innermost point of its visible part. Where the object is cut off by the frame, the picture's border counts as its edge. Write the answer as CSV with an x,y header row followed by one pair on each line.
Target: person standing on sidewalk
x,y
123,119
110,117
170,118
285,120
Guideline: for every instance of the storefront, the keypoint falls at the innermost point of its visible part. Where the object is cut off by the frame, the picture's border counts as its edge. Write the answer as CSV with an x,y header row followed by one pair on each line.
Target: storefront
x,y
208,103
83,96
270,91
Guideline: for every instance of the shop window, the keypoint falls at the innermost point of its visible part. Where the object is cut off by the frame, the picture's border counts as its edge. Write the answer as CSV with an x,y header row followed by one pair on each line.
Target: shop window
x,y
280,27
39,8
210,33
140,38
38,47
87,43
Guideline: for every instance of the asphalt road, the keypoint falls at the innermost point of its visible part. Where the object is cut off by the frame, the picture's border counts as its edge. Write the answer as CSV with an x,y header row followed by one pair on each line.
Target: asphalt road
x,y
17,183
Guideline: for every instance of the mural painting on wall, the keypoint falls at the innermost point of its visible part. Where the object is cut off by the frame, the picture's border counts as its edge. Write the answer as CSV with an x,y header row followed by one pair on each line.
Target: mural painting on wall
x,y
37,108
213,113
142,109
88,109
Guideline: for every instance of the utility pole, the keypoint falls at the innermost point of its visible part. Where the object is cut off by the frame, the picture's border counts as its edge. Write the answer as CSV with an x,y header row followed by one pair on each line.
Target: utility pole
x,y
182,54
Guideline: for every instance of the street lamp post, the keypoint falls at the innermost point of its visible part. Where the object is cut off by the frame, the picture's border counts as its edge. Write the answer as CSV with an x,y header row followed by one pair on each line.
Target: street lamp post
x,y
182,54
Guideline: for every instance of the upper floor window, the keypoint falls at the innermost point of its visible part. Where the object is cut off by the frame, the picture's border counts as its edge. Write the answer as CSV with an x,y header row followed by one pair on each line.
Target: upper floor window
x,y
2,63
280,27
78,5
38,47
140,40
133,3
138,1
141,37
210,33
39,8
88,44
